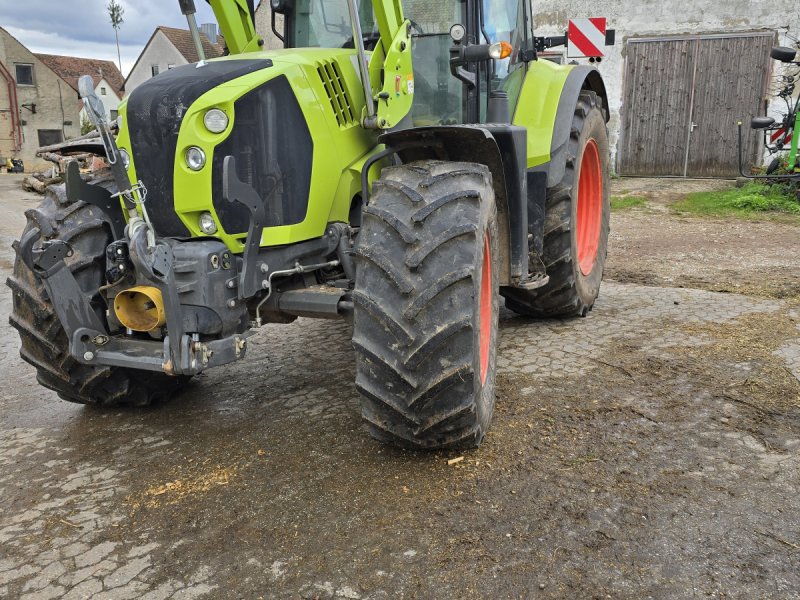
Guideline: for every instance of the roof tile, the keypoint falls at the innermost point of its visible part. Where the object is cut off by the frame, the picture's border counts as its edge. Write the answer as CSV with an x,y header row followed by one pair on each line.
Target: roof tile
x,y
70,68
182,40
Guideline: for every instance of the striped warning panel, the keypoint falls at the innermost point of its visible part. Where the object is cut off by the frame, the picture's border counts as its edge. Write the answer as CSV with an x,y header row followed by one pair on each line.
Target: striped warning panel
x,y
586,37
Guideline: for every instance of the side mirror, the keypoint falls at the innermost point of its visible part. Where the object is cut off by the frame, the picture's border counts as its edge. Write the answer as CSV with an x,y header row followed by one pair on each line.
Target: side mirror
x,y
281,6
784,54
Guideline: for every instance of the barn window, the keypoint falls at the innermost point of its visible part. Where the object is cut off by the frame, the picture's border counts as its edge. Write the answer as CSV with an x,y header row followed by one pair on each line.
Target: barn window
x,y
24,74
48,137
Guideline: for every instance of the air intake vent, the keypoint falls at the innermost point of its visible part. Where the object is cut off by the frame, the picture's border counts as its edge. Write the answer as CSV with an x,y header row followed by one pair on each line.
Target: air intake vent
x,y
342,107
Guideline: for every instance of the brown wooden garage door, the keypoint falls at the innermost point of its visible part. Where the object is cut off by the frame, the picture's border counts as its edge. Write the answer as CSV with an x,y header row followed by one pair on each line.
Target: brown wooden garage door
x,y
683,98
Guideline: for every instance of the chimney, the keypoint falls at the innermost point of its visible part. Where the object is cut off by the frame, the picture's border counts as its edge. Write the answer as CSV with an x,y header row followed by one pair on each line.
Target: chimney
x,y
210,29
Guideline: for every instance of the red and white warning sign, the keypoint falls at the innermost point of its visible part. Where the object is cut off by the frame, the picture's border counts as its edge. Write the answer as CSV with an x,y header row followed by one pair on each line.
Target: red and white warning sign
x,y
586,37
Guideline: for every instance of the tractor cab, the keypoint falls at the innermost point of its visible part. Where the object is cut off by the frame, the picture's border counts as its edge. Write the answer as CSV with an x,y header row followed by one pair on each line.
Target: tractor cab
x,y
444,94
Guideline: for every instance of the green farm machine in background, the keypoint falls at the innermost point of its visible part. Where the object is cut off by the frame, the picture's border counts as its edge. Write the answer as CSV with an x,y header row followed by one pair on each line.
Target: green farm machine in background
x,y
398,164
780,137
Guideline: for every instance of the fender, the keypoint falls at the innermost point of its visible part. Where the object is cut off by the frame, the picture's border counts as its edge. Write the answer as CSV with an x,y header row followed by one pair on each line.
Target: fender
x,y
547,164
580,78
502,149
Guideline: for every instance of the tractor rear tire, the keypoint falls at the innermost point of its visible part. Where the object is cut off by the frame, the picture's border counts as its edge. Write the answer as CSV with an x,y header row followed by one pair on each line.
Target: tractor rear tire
x,y
426,305
44,341
576,224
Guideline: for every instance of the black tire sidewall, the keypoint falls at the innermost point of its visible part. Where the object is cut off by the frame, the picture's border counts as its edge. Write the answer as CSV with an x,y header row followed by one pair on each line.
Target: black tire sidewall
x,y
594,128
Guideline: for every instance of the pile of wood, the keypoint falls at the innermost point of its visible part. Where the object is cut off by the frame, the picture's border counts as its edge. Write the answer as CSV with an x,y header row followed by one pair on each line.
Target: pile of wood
x,y
87,150
39,181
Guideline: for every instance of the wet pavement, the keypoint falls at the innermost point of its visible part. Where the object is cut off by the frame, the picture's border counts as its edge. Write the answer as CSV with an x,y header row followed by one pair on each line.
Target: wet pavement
x,y
647,450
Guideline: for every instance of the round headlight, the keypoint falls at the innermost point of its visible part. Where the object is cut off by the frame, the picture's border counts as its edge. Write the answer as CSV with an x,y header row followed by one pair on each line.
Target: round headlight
x,y
125,158
195,158
215,120
207,223
458,32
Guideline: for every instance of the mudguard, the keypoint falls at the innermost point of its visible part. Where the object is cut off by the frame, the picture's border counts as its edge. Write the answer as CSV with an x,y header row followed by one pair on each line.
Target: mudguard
x,y
580,78
499,147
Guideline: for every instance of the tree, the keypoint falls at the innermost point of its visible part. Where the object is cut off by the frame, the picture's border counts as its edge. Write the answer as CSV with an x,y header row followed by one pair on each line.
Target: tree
x,y
86,126
115,13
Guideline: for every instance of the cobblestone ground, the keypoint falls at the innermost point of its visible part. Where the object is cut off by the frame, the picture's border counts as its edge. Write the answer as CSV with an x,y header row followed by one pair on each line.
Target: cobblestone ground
x,y
599,478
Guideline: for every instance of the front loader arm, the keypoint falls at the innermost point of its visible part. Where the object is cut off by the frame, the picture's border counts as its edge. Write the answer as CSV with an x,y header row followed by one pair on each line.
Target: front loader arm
x,y
391,70
235,20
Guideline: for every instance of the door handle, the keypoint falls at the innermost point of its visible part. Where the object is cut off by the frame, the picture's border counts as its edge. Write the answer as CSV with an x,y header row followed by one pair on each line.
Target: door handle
x,y
694,126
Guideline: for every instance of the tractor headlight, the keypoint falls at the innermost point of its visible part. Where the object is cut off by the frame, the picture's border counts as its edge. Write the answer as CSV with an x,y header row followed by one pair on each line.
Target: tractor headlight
x,y
195,158
215,120
125,158
207,223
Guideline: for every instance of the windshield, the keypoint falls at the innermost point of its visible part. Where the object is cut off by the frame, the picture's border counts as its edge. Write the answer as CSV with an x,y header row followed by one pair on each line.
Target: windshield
x,y
433,16
326,23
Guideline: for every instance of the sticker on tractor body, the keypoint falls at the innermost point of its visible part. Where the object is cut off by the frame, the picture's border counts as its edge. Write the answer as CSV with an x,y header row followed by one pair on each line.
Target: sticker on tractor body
x,y
587,37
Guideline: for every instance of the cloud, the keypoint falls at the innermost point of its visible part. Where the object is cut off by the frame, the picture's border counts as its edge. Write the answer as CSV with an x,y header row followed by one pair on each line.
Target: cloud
x,y
81,27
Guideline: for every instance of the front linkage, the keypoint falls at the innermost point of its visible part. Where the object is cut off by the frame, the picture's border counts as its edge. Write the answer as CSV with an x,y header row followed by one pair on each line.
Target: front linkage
x,y
186,286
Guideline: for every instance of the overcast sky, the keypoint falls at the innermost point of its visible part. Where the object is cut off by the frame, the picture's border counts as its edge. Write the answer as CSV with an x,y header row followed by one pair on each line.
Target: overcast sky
x,y
82,28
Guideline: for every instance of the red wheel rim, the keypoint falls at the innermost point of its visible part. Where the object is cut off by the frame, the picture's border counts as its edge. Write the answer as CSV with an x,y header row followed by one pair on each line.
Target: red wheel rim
x,y
486,304
590,207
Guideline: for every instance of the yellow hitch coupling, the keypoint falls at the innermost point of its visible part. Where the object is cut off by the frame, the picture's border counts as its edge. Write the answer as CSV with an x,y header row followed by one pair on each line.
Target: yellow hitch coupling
x,y
140,308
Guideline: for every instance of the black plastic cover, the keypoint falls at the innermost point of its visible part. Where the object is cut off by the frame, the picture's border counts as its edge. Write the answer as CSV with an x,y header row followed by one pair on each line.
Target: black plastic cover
x,y
155,113
274,153
762,122
783,54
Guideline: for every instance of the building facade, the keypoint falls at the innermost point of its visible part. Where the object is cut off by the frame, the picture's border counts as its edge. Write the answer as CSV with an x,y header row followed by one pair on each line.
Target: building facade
x,y
37,107
169,48
108,80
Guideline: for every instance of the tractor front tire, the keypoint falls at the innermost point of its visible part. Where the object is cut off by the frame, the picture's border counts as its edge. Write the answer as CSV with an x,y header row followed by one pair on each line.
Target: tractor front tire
x,y
576,224
426,305
44,341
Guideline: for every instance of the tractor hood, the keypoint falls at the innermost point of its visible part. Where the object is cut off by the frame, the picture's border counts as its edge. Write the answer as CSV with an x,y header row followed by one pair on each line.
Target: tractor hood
x,y
293,127
267,135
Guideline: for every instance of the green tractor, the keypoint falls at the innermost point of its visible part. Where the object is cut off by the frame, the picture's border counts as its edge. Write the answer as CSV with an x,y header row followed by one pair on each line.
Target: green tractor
x,y
398,164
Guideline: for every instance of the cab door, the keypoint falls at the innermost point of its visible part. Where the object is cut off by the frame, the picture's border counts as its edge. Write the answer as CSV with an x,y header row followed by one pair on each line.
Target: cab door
x,y
505,21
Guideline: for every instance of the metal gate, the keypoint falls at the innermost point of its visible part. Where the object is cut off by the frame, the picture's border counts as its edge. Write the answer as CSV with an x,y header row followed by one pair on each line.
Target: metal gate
x,y
683,98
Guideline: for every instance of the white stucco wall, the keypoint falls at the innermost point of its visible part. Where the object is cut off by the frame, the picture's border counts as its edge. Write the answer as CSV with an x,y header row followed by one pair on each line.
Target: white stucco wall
x,y
264,26
110,100
159,52
646,18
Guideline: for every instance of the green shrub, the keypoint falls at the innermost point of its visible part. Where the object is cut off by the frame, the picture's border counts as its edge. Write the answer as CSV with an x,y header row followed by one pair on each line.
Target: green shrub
x,y
752,198
623,202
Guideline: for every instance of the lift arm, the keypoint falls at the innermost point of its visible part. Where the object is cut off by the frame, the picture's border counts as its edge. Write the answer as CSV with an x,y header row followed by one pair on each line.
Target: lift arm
x,y
235,18
390,67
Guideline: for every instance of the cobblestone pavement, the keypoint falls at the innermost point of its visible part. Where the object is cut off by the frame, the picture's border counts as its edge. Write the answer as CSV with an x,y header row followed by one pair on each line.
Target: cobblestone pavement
x,y
597,480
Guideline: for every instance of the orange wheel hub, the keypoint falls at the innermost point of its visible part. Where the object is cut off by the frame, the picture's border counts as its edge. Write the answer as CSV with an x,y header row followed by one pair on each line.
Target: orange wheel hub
x,y
486,312
590,207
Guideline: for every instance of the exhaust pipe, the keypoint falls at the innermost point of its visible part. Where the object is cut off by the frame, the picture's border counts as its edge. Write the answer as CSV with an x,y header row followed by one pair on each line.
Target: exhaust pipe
x,y
140,308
